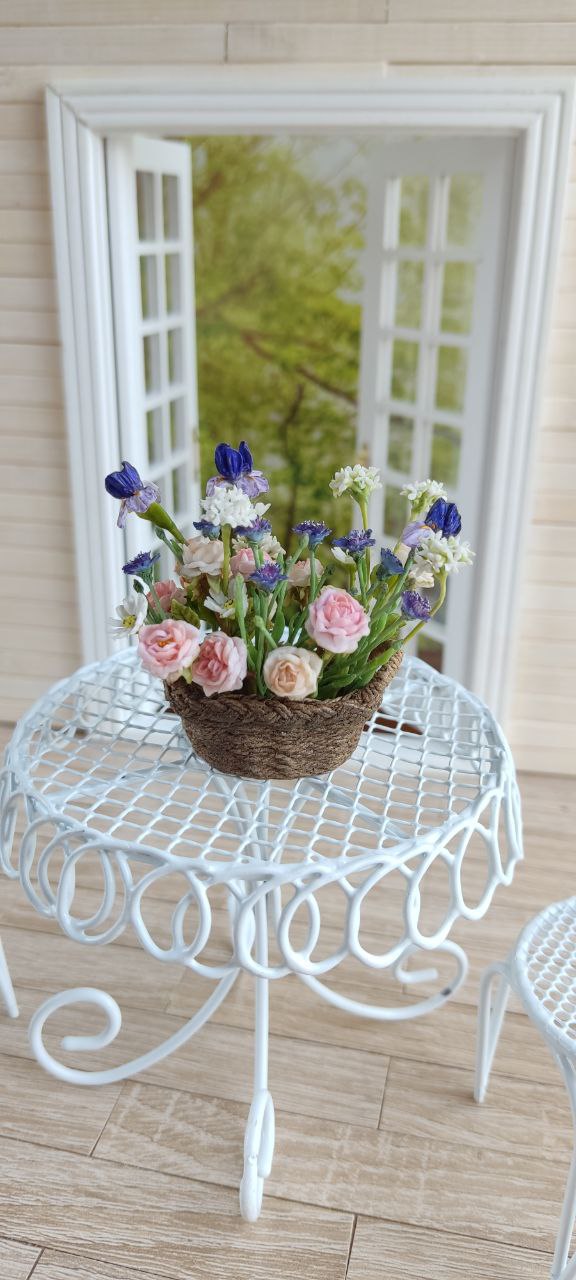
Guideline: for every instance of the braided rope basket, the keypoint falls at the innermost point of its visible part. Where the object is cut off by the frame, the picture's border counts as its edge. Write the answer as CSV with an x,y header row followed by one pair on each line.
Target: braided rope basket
x,y
256,737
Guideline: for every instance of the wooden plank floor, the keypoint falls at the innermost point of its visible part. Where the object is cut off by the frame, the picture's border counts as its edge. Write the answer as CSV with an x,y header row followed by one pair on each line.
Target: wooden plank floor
x,y
385,1169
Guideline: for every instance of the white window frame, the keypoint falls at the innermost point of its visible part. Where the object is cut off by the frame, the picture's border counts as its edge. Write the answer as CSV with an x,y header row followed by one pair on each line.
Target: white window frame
x,y
436,159
125,156
225,100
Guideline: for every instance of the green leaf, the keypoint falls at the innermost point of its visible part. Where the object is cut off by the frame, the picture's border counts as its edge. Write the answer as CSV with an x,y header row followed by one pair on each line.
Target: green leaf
x,y
279,625
184,612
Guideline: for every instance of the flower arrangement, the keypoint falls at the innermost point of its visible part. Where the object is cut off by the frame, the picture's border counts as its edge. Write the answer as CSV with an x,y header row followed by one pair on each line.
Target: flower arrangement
x,y
245,618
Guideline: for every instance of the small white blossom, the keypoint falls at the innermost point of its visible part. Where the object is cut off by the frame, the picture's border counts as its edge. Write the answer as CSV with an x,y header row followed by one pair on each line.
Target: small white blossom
x,y
271,546
131,615
228,505
442,555
356,480
422,494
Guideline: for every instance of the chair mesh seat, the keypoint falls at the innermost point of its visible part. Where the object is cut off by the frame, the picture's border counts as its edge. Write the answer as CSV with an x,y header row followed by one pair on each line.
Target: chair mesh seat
x,y
545,971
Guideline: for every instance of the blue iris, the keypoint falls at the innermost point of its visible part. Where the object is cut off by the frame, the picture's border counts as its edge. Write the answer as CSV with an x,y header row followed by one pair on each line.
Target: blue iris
x,y
142,563
314,530
356,542
124,483
268,577
233,463
254,532
389,565
414,605
207,529
444,518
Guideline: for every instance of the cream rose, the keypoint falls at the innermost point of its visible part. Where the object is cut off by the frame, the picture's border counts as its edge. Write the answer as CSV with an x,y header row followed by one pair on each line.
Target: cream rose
x,y
201,555
299,574
290,672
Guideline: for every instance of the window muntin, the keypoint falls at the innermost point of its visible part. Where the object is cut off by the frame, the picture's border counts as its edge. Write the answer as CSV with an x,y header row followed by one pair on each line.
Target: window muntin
x,y
437,219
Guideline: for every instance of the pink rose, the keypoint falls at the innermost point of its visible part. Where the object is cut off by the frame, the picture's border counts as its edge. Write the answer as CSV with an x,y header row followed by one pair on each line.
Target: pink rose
x,y
290,672
166,593
221,664
243,562
167,648
336,621
299,574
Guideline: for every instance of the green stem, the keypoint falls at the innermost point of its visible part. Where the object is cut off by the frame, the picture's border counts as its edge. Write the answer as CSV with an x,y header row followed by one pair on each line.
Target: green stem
x,y
437,606
154,594
226,535
158,516
363,504
263,630
291,561
313,575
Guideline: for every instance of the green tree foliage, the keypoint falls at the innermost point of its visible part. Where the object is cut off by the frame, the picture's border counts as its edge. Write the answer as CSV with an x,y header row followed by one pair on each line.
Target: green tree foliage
x,y
279,230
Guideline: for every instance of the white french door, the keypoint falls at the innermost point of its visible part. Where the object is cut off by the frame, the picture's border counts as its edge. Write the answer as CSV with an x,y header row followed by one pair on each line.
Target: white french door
x,y
150,219
434,265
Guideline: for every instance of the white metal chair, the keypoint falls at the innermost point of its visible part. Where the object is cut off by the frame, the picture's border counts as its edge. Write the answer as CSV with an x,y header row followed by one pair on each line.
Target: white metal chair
x,y
541,969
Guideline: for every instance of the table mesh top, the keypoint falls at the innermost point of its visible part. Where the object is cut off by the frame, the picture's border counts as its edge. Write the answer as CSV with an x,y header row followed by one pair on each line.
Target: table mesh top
x,y
101,751
546,969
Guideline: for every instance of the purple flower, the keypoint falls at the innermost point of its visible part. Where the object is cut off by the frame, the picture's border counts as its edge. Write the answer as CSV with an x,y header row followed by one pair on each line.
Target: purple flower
x,y
414,605
254,532
142,563
444,517
207,529
268,577
389,565
133,493
230,463
235,466
355,542
415,533
314,530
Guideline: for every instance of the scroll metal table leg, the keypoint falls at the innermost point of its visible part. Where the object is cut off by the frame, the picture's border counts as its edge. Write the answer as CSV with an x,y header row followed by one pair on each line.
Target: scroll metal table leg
x,y
259,1135
6,988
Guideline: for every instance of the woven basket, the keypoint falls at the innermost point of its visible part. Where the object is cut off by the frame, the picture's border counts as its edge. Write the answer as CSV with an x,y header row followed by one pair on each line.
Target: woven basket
x,y
256,737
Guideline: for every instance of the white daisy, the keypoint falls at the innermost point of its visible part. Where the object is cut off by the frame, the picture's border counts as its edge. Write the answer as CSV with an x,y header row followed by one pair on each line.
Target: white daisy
x,y
341,555
218,602
131,615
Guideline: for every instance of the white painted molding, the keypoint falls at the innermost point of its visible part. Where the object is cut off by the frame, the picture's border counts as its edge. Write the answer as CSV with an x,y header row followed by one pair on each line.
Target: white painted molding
x,y
538,112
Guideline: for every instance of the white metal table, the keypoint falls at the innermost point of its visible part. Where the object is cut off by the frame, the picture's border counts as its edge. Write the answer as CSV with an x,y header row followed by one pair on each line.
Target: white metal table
x,y
99,770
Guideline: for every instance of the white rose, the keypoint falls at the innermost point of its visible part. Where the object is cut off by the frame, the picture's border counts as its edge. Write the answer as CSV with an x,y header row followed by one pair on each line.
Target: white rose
x,y
421,576
201,555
